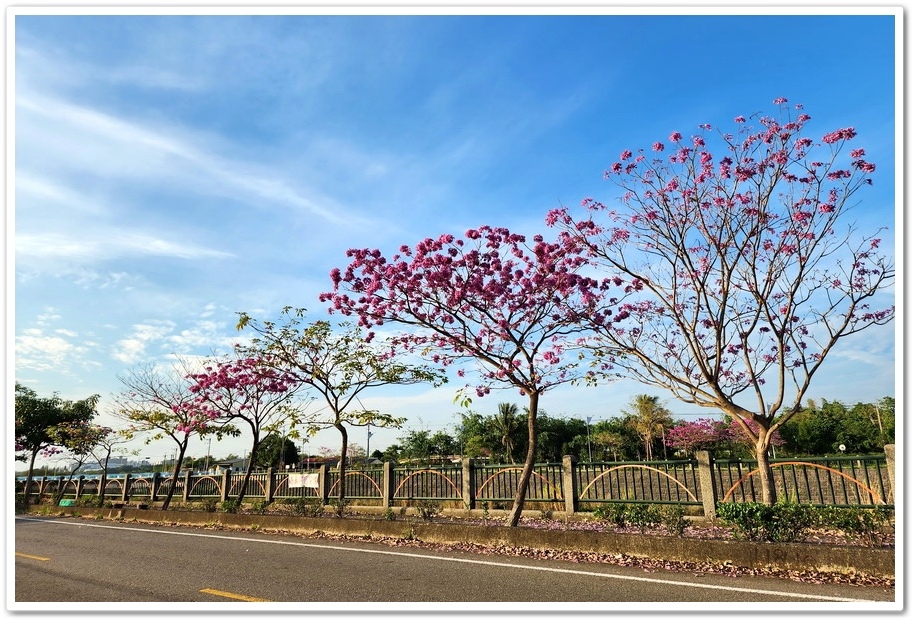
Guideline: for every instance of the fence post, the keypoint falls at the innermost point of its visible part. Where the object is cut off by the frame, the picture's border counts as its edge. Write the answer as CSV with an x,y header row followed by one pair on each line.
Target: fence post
x,y
271,484
570,493
889,454
467,483
224,492
125,492
387,484
323,484
186,494
707,483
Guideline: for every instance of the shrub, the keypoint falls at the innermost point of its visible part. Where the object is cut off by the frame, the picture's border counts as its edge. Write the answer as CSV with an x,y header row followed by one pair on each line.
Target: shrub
x,y
858,524
208,506
615,513
259,507
643,516
428,509
672,517
229,506
390,514
304,506
341,507
783,522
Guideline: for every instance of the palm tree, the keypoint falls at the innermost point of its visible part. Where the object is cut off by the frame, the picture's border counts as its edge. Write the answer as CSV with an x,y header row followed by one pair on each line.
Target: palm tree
x,y
506,424
649,418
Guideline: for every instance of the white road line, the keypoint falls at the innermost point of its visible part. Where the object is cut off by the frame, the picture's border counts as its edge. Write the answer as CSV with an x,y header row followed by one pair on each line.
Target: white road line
x,y
615,576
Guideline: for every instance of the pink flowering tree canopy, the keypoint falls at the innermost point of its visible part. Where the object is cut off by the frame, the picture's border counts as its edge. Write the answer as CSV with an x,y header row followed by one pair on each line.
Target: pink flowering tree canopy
x,y
511,310
702,434
157,403
737,273
485,299
251,391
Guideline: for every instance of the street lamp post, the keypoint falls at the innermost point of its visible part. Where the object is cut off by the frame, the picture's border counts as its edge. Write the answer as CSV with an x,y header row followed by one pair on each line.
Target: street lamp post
x,y
368,435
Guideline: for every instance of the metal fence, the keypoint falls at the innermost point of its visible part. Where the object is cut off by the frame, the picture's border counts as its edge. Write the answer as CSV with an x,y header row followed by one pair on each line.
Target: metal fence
x,y
656,481
835,481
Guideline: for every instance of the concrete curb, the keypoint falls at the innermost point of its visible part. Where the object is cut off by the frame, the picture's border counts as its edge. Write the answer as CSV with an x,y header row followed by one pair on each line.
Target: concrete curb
x,y
801,557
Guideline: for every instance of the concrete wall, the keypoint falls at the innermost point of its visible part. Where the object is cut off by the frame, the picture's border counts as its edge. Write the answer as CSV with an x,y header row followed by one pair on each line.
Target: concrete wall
x,y
788,556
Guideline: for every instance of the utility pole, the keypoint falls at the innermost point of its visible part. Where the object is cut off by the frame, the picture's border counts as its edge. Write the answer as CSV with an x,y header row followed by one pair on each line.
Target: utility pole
x,y
368,435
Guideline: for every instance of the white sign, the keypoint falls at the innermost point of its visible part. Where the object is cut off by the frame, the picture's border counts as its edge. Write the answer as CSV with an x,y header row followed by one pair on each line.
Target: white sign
x,y
297,481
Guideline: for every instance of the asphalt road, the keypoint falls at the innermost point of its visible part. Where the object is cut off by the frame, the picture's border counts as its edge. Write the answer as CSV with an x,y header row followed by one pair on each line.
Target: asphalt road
x,y
62,561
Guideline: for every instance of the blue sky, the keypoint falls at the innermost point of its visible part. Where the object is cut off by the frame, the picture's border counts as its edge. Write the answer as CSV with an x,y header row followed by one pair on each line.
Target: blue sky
x,y
171,171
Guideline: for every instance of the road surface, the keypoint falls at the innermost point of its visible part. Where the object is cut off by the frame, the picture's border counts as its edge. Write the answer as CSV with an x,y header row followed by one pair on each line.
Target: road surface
x,y
79,560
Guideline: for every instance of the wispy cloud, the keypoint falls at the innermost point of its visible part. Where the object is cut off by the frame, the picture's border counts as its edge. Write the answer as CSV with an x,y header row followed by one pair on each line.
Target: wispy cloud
x,y
76,139
107,245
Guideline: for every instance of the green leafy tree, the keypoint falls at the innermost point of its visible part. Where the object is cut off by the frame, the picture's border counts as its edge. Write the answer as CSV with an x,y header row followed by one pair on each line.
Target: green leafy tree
x,y
508,425
650,419
339,365
82,440
40,423
277,451
868,427
559,436
474,437
813,430
615,439
391,453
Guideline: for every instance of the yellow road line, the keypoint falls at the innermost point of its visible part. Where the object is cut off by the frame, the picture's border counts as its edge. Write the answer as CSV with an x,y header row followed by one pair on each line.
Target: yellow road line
x,y
32,557
213,591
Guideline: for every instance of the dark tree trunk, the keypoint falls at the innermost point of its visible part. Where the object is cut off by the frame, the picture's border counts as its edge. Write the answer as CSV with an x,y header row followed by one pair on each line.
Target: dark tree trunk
x,y
519,503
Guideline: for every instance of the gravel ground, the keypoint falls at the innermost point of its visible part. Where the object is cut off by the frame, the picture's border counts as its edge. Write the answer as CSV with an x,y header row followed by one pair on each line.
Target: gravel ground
x,y
646,564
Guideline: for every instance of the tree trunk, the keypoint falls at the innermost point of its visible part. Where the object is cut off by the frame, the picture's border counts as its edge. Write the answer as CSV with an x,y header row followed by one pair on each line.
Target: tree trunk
x,y
175,473
528,468
103,484
62,489
247,478
26,493
342,469
765,471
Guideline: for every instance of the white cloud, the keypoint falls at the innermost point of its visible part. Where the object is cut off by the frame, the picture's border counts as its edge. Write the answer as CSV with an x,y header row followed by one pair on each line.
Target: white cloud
x,y
37,351
132,348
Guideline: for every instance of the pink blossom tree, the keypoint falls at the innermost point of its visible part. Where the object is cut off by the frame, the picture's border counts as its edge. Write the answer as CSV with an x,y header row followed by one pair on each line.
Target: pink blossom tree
x,y
512,311
339,365
739,273
251,391
702,434
157,403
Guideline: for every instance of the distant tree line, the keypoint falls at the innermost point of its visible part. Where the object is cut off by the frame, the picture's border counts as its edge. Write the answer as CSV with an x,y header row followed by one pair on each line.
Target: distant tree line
x,y
647,431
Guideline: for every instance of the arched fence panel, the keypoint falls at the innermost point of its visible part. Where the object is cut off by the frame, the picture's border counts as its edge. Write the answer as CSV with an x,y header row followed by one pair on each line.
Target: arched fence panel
x,y
665,482
866,480
434,483
828,481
